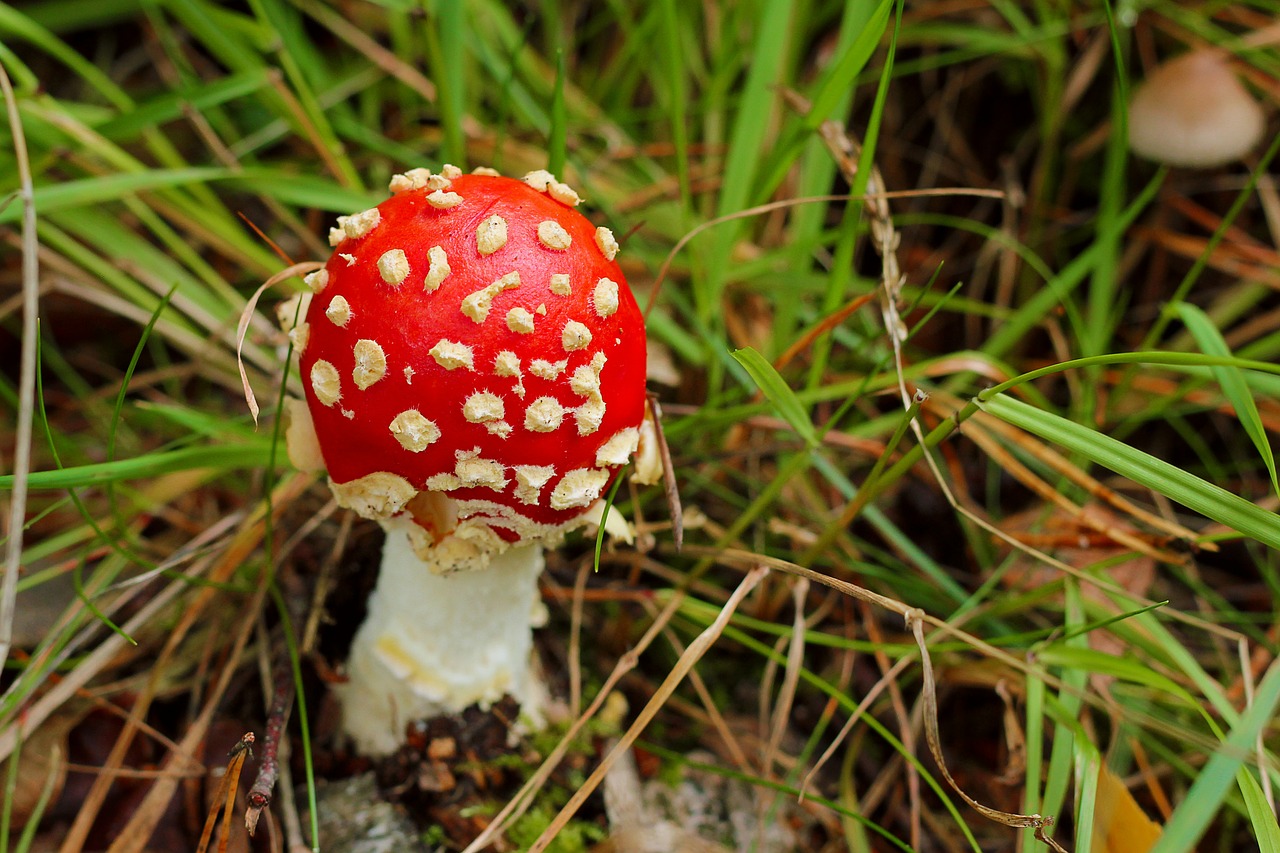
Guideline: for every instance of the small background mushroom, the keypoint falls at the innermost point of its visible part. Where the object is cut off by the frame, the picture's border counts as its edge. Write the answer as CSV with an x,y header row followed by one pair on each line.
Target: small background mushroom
x,y
1193,111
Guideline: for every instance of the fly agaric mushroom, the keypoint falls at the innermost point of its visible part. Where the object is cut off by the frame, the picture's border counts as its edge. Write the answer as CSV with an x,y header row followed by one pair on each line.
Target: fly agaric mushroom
x,y
474,366
1193,111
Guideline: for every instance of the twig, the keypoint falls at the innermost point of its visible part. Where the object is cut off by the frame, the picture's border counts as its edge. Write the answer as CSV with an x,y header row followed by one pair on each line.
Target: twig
x,y
575,638
669,486
150,810
295,600
906,733
807,784
27,381
269,767
781,716
846,152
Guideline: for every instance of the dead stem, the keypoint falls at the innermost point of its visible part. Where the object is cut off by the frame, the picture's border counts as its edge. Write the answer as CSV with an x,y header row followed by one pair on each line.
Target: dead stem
x,y
692,655
27,380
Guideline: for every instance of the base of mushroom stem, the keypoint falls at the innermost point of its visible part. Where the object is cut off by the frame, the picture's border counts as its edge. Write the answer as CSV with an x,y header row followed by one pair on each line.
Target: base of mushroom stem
x,y
433,644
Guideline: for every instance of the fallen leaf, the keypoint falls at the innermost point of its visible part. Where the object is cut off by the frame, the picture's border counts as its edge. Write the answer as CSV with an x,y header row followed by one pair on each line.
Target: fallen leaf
x,y
1119,823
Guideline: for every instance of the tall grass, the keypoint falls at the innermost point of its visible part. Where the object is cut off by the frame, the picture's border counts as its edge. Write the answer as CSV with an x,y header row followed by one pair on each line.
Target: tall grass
x,y
1072,376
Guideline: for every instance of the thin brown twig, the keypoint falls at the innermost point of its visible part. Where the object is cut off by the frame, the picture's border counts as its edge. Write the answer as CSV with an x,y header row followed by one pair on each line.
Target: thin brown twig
x,y
145,819
711,713
282,695
871,695
282,688
277,81
669,485
829,322
781,715
576,604
906,733
777,719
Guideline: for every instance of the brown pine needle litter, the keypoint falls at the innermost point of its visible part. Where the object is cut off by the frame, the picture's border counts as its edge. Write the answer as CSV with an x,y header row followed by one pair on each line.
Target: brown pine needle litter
x,y
226,796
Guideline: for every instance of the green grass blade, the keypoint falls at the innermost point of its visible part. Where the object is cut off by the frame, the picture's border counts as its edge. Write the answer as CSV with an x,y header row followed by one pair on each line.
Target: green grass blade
x,y
1087,764
1261,818
306,191
1084,659
747,138
1068,738
867,159
446,49
10,795
92,191
171,106
671,46
1034,716
301,66
1232,381
839,79
1172,482
778,392
16,27
1202,801
244,456
230,36
26,841
558,138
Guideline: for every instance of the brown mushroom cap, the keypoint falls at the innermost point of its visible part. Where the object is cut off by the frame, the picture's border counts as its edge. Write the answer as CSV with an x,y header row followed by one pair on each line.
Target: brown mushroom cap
x,y
1193,111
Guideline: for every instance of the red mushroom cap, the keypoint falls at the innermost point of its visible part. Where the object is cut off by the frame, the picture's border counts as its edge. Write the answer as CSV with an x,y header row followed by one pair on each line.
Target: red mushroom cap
x,y
473,336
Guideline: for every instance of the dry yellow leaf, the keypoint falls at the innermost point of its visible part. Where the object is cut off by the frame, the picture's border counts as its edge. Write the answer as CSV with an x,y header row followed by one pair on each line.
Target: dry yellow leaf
x,y
1119,823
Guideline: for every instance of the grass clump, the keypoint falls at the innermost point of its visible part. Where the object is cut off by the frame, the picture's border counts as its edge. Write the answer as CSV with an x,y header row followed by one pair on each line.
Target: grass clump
x,y
970,410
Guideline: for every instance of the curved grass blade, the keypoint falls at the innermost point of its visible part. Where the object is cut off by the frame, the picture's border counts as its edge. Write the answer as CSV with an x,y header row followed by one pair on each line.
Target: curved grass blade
x,y
1232,382
51,198
778,392
1187,489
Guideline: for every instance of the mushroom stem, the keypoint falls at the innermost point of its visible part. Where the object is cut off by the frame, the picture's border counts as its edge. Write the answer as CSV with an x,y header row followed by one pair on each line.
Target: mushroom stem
x,y
435,643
